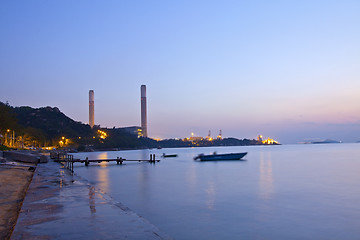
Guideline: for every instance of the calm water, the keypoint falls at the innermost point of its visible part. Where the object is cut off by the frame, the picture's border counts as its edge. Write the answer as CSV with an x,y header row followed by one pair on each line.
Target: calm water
x,y
279,192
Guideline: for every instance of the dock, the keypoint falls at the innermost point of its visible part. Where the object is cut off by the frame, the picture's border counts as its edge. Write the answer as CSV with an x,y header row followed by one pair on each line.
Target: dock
x,y
68,160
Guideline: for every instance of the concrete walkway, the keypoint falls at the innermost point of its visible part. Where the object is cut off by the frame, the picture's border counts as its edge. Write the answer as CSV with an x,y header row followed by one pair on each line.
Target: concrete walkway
x,y
61,206
14,181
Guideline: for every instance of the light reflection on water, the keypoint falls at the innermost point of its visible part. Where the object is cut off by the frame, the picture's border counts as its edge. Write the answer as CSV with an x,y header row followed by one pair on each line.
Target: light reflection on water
x,y
279,192
103,177
266,178
92,200
211,192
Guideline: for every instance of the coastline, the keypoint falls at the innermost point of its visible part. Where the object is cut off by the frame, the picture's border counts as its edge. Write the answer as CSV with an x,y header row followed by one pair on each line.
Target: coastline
x,y
14,182
59,205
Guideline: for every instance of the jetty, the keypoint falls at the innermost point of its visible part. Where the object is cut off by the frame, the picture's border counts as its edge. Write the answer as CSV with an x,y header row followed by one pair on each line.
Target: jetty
x,y
68,160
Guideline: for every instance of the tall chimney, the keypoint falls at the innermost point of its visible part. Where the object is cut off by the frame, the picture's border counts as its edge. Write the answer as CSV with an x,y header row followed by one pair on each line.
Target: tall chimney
x,y
143,111
91,108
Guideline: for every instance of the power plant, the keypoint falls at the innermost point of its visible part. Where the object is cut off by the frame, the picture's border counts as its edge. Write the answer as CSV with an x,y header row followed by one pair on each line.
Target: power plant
x,y
140,132
143,111
91,108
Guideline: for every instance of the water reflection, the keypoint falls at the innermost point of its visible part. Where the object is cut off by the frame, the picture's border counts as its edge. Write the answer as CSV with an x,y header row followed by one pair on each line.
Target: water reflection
x,y
103,179
92,199
62,172
143,177
210,203
211,190
103,155
266,176
191,177
144,154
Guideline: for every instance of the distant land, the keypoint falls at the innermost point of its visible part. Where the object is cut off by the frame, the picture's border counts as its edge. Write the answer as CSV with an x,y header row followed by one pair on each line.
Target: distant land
x,y
47,127
321,141
325,141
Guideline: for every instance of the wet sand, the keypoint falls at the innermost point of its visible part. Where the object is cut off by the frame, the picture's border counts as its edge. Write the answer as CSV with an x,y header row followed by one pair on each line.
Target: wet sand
x,y
14,181
59,205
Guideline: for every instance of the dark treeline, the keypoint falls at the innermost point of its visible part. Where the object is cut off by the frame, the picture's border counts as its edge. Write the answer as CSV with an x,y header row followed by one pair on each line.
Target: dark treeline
x,y
41,126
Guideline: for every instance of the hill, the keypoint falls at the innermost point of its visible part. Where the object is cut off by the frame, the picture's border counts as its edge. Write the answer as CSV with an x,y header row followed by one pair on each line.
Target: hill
x,y
40,126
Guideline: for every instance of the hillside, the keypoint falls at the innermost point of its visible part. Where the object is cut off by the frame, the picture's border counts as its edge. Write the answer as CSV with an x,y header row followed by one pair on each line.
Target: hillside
x,y
40,126
51,122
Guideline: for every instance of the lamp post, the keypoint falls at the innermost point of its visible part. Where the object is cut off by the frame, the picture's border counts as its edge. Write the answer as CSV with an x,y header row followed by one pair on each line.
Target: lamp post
x,y
6,138
5,142
13,139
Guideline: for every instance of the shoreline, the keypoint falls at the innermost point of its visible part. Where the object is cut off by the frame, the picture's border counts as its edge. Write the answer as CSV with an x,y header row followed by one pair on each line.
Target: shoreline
x,y
14,183
59,205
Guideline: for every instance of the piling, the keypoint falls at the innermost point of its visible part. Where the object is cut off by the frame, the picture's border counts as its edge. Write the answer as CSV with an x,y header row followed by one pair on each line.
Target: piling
x,y
68,160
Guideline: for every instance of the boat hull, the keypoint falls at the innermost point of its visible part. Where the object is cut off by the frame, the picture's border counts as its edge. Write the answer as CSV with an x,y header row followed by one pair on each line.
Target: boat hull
x,y
219,157
169,155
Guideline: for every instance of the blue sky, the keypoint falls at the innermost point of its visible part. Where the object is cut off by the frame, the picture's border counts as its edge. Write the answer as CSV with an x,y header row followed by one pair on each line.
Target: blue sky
x,y
288,70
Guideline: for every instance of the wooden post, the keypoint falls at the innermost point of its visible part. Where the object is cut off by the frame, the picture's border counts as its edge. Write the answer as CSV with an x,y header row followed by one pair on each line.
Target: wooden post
x,y
152,158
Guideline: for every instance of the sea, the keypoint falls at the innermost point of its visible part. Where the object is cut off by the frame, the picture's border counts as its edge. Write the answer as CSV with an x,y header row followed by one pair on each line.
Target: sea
x,y
303,191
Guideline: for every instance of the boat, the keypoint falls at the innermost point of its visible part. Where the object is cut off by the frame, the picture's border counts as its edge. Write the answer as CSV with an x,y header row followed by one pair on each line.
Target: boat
x,y
217,157
169,155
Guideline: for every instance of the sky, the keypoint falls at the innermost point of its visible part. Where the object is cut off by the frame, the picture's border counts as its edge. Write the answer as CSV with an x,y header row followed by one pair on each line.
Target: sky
x,y
289,70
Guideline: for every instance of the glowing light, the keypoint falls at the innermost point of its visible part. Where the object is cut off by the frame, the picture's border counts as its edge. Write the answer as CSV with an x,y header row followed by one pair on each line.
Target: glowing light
x,y
102,134
269,141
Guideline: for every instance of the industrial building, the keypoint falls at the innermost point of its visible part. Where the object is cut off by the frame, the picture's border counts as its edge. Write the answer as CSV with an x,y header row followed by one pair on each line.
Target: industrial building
x,y
91,109
143,111
136,130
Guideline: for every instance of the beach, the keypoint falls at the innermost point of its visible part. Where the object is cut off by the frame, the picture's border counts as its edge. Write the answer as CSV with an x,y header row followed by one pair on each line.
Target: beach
x,y
14,182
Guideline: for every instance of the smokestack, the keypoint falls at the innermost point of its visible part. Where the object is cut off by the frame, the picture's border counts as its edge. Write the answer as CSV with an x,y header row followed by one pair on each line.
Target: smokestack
x,y
91,108
143,111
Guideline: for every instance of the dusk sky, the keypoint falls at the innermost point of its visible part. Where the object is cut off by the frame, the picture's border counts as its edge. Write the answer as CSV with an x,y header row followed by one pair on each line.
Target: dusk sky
x,y
289,70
